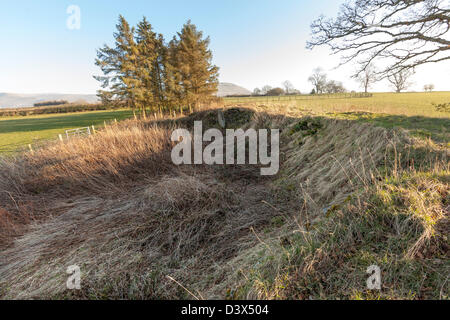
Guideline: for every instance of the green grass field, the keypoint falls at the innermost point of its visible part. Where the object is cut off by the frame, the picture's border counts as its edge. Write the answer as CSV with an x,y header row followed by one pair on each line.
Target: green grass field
x,y
410,104
17,132
413,112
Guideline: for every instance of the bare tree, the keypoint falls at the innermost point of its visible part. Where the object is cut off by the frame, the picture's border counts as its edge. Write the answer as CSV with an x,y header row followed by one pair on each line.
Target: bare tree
x,y
431,87
334,87
257,92
288,87
367,77
318,79
400,34
265,89
400,80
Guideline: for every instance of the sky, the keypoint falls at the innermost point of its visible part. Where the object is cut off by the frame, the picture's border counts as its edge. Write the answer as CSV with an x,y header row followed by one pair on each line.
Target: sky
x,y
254,42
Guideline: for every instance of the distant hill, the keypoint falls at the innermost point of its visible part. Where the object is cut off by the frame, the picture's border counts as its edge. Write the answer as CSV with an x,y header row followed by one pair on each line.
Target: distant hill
x,y
230,89
16,100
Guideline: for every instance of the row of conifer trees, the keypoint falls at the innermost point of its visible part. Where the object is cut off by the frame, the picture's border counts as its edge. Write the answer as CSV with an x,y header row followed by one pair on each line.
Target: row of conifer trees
x,y
142,71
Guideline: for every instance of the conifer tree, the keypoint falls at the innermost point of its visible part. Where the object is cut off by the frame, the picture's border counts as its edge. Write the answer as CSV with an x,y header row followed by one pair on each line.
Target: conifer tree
x,y
173,82
195,77
117,65
146,41
159,73
143,72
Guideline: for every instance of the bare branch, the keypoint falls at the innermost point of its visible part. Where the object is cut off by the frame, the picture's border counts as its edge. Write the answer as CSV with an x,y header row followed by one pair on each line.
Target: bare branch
x,y
397,34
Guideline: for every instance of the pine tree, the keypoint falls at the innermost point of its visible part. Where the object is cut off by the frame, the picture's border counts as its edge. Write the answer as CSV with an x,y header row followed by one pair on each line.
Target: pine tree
x,y
118,65
173,82
159,73
142,71
194,78
146,41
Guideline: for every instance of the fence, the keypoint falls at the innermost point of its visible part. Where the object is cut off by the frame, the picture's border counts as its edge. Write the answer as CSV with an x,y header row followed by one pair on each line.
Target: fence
x,y
78,132
267,99
86,131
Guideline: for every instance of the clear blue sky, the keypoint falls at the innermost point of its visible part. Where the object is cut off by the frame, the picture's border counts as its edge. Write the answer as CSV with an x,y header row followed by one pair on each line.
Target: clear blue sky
x,y
254,42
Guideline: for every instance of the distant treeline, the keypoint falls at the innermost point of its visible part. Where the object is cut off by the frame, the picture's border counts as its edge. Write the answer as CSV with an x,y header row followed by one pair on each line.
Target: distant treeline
x,y
290,97
51,103
66,108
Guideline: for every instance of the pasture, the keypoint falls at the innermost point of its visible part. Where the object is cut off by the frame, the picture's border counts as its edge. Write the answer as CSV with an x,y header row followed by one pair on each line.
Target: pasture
x,y
17,132
413,111
409,104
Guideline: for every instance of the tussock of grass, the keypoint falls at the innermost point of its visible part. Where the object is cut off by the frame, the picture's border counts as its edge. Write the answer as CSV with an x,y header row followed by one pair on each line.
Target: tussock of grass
x,y
43,183
401,225
348,195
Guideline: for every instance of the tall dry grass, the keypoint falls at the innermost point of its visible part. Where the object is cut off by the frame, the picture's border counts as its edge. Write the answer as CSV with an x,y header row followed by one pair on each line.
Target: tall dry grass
x,y
141,228
115,202
39,184
370,196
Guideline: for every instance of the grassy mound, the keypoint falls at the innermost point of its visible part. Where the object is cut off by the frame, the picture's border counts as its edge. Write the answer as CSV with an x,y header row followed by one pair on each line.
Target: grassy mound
x,y
348,195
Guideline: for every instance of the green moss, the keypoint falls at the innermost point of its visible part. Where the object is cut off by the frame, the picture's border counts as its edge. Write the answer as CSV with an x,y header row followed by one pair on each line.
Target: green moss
x,y
307,127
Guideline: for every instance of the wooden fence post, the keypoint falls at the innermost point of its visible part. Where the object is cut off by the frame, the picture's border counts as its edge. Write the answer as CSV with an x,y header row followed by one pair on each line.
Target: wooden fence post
x,y
31,148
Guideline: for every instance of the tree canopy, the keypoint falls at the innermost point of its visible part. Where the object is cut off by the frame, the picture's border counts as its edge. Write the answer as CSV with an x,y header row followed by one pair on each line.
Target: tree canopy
x,y
142,71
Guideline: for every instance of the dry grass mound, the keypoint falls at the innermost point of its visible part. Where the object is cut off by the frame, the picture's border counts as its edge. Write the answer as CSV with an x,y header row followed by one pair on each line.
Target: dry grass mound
x,y
141,228
44,183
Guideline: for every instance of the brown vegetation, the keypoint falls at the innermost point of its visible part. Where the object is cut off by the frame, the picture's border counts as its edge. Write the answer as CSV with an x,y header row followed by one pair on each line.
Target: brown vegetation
x,y
114,204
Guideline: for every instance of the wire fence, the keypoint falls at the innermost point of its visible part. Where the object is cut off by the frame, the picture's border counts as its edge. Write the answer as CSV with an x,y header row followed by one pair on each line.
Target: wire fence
x,y
36,144
267,99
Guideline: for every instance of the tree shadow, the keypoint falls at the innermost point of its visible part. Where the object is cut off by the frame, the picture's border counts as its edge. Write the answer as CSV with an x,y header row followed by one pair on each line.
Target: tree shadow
x,y
436,129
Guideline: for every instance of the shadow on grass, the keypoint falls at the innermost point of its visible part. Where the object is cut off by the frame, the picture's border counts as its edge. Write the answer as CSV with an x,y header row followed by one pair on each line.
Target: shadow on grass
x,y
436,129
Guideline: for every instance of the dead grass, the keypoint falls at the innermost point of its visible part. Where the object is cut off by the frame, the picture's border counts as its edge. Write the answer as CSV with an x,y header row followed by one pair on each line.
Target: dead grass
x,y
388,206
348,194
401,226
40,184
